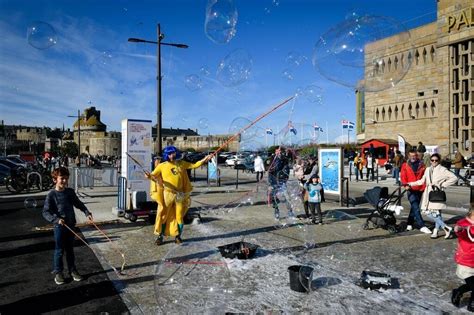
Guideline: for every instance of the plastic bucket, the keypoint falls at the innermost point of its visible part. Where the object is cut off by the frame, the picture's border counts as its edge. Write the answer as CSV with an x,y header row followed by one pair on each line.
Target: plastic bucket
x,y
300,278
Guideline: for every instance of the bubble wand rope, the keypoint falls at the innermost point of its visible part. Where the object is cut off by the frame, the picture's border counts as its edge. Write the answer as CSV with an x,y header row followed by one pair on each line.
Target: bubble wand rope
x,y
274,108
136,162
114,245
82,240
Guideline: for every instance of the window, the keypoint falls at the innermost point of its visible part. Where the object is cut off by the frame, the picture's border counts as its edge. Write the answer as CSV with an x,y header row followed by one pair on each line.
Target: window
x,y
417,110
421,93
377,115
432,53
396,112
389,64
425,109
424,55
435,92
410,110
456,104
383,114
390,113
395,62
417,57
433,108
402,111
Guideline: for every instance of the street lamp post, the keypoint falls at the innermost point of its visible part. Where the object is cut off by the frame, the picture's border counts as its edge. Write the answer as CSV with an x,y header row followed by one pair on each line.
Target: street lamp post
x,y
78,130
160,37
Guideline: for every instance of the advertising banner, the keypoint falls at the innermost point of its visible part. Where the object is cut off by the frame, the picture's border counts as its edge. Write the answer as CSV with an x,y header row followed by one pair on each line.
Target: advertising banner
x,y
330,170
401,144
137,142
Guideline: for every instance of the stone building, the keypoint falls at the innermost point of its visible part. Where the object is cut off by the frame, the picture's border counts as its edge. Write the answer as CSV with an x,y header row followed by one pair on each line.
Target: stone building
x,y
434,102
95,140
185,139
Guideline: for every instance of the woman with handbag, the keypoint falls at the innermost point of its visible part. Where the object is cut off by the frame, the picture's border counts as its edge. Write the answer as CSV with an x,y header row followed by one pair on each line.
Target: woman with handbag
x,y
433,201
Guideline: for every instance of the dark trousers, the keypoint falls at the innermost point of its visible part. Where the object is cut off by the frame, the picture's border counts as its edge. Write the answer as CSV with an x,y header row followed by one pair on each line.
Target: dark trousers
x,y
358,172
370,171
468,286
64,240
259,176
315,206
414,217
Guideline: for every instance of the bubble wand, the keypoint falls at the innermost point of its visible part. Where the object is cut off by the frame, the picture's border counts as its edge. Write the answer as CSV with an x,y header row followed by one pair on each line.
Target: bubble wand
x,y
136,162
274,108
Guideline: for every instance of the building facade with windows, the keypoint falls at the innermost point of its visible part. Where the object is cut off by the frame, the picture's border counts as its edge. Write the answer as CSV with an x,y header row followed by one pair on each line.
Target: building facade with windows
x,y
434,101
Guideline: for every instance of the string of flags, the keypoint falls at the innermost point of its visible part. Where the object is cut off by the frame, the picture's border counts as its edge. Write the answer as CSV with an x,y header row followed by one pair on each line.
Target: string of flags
x,y
317,128
269,131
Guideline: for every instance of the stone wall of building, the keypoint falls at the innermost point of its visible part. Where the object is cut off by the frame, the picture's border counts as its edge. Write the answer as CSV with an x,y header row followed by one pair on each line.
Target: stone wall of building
x,y
419,107
200,143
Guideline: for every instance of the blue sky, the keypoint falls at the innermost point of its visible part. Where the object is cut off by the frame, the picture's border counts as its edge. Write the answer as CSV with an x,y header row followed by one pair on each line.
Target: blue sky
x,y
92,64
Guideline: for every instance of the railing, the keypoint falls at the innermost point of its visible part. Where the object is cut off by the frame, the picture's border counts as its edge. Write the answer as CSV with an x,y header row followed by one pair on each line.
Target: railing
x,y
89,177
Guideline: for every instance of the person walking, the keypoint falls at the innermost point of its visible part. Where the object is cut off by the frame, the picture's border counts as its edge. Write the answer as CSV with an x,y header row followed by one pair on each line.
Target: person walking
x,y
421,148
413,170
440,177
397,164
358,166
458,163
464,258
259,167
370,167
176,190
59,209
278,174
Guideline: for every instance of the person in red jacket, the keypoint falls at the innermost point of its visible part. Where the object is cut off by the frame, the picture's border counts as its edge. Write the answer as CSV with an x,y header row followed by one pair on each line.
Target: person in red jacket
x,y
464,257
411,171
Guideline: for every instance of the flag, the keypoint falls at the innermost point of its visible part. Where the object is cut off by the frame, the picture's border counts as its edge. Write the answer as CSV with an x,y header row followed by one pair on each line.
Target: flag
x,y
292,128
317,128
346,124
269,131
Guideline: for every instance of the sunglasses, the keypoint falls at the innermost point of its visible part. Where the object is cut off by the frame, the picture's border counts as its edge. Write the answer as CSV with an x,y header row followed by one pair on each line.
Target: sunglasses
x,y
434,160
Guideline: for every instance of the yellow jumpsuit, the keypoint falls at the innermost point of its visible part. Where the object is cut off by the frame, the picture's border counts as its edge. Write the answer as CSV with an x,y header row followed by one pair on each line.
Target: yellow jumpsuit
x,y
171,190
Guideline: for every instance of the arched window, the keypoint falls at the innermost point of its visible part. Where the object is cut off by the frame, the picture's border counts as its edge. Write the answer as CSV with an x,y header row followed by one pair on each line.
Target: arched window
x,y
409,58
432,53
402,111
390,113
425,109
396,112
417,110
383,114
410,110
433,108
377,115
389,65
395,62
417,57
424,55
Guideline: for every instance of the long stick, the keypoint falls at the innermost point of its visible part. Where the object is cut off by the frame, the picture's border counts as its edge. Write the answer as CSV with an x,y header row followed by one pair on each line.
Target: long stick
x,y
274,108
136,162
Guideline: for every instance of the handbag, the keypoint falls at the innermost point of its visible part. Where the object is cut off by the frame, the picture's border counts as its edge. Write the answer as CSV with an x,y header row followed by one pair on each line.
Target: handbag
x,y
436,195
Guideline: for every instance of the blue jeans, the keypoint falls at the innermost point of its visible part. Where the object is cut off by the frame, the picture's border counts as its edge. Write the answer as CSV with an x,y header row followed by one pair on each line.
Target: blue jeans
x,y
414,217
396,174
438,220
64,240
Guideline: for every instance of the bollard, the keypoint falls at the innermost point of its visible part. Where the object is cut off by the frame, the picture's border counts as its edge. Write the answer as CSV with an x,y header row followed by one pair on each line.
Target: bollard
x,y
377,174
237,180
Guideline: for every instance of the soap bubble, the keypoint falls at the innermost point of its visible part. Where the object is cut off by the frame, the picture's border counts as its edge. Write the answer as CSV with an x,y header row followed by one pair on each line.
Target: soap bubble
x,y
41,35
340,54
30,203
193,276
235,68
287,74
193,82
203,123
314,94
295,58
337,215
240,123
221,20
105,59
204,70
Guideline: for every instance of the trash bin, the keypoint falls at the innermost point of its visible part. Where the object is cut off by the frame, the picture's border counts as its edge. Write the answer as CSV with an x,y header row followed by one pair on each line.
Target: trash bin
x,y
300,278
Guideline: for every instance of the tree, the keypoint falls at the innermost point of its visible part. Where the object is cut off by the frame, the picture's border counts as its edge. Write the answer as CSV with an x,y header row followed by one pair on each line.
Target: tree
x,y
70,149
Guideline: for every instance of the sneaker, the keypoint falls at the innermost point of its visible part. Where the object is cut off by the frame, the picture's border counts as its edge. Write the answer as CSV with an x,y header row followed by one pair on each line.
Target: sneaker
x,y
277,214
425,230
178,240
409,227
58,278
159,240
320,223
76,276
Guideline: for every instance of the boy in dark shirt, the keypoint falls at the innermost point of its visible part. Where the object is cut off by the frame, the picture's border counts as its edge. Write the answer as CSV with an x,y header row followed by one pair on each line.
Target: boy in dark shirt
x,y
59,210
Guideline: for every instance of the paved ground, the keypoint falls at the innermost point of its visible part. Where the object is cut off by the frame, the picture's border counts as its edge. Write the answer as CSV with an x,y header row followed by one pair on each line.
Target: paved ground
x,y
422,269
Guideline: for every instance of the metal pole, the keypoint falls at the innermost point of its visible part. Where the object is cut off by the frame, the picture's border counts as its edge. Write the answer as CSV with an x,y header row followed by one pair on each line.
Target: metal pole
x,y
158,79
237,180
377,173
79,132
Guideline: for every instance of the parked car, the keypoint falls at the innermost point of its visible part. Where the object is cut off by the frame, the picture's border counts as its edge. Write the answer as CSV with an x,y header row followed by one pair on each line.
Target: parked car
x,y
5,171
17,159
235,160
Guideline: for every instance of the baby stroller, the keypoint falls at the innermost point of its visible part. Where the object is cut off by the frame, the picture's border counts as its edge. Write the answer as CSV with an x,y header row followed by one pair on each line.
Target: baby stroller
x,y
385,209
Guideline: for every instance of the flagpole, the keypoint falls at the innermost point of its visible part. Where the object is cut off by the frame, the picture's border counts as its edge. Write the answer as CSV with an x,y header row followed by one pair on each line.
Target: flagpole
x,y
327,133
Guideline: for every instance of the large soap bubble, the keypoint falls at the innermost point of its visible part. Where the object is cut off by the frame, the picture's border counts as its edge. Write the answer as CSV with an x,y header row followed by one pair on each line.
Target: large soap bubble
x,y
314,94
192,278
221,20
41,35
360,53
193,82
235,68
242,125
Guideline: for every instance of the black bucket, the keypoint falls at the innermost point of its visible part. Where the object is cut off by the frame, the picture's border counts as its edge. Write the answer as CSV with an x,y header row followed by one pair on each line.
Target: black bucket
x,y
300,278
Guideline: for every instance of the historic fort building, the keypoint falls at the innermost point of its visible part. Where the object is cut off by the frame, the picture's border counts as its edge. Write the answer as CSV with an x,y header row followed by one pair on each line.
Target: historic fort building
x,y
434,102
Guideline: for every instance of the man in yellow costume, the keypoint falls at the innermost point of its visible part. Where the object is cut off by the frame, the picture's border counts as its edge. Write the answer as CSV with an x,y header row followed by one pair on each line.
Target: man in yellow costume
x,y
172,192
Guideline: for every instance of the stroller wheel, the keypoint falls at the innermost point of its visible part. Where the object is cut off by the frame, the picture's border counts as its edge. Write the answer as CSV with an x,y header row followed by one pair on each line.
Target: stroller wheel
x,y
392,229
365,226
